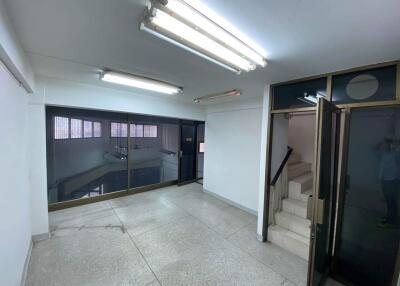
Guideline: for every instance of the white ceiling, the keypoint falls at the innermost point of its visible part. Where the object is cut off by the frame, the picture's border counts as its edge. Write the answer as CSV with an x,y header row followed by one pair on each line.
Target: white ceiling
x,y
74,39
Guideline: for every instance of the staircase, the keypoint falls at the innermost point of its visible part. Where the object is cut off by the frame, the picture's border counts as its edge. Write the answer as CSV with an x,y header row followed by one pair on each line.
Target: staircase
x,y
291,230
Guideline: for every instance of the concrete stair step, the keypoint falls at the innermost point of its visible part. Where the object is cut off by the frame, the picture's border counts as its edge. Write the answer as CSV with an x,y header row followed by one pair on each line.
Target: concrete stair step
x,y
294,223
291,241
294,158
294,193
298,169
301,183
295,207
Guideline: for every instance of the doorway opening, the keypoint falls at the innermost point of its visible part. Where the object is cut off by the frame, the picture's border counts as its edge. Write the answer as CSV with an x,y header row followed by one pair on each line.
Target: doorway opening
x,y
292,181
335,190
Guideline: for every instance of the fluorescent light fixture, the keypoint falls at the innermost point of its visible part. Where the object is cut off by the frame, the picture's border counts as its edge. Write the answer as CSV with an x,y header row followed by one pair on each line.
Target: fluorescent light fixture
x,y
139,82
196,18
234,92
183,24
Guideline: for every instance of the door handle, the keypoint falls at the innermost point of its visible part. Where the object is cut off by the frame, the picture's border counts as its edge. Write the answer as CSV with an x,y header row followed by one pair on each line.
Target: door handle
x,y
180,153
320,211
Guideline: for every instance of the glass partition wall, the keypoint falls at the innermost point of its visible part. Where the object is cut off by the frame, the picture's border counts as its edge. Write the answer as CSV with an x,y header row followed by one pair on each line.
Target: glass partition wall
x,y
86,153
92,154
153,150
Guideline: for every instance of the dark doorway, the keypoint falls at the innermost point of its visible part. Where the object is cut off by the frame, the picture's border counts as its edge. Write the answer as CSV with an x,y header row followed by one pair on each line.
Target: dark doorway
x,y
188,153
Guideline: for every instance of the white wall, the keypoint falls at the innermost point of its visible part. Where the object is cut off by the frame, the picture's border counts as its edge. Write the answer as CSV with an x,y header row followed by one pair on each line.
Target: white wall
x,y
262,161
68,93
302,136
232,151
15,203
15,224
11,53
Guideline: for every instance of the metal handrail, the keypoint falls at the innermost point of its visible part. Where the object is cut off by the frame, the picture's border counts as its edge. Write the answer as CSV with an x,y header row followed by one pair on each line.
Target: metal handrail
x,y
280,169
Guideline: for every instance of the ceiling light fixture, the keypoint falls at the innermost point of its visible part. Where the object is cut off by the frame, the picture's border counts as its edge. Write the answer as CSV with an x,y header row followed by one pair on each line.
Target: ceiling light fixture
x,y
139,82
234,92
200,32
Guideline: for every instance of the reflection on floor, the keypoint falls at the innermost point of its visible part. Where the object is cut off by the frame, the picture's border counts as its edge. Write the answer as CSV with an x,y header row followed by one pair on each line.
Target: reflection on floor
x,y
172,236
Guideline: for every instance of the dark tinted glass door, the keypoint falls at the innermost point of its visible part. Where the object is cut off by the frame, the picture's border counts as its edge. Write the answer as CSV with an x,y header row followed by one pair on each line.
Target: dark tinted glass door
x,y
188,153
320,234
369,233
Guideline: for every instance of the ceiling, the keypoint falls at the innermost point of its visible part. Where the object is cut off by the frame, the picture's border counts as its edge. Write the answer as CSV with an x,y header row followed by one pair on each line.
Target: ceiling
x,y
74,39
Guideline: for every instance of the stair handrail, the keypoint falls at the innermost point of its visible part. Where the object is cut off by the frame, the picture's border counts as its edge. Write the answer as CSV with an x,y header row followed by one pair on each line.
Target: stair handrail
x,y
279,187
280,169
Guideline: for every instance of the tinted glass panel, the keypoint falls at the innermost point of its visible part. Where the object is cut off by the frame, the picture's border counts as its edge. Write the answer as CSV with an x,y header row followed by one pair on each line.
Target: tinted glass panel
x,y
154,150
84,167
297,95
370,231
365,86
88,152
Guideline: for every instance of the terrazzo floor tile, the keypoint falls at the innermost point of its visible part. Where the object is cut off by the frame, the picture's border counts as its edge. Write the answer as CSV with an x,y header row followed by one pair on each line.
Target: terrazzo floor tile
x,y
189,253
288,265
89,256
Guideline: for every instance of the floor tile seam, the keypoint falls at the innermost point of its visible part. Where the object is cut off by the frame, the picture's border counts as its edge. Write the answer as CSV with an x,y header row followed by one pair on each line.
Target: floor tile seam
x,y
202,222
236,231
160,226
259,260
219,235
134,244
93,219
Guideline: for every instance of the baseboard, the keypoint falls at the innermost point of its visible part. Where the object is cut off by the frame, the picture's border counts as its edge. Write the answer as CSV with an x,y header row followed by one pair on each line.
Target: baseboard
x,y
40,237
26,264
232,203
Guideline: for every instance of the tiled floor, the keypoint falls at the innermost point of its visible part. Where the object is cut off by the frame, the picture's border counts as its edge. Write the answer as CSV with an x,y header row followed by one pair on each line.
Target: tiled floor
x,y
172,236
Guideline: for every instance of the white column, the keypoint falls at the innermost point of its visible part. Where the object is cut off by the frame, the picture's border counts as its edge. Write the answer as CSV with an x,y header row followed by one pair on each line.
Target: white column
x,y
263,153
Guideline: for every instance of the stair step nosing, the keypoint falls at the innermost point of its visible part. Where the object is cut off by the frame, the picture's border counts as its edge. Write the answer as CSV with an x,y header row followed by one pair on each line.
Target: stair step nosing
x,y
292,235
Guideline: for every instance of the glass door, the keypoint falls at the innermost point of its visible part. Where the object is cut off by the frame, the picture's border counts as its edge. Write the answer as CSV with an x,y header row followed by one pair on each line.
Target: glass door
x,y
320,245
188,150
368,234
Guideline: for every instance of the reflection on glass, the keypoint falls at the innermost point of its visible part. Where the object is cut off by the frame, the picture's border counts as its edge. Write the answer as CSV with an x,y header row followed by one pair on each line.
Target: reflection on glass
x,y
83,158
365,86
362,86
299,94
87,152
370,228
154,150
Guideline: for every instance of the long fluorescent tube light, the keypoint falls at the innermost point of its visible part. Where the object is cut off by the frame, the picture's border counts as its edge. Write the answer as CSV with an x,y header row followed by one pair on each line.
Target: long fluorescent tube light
x,y
181,23
172,25
193,16
155,33
139,82
234,92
